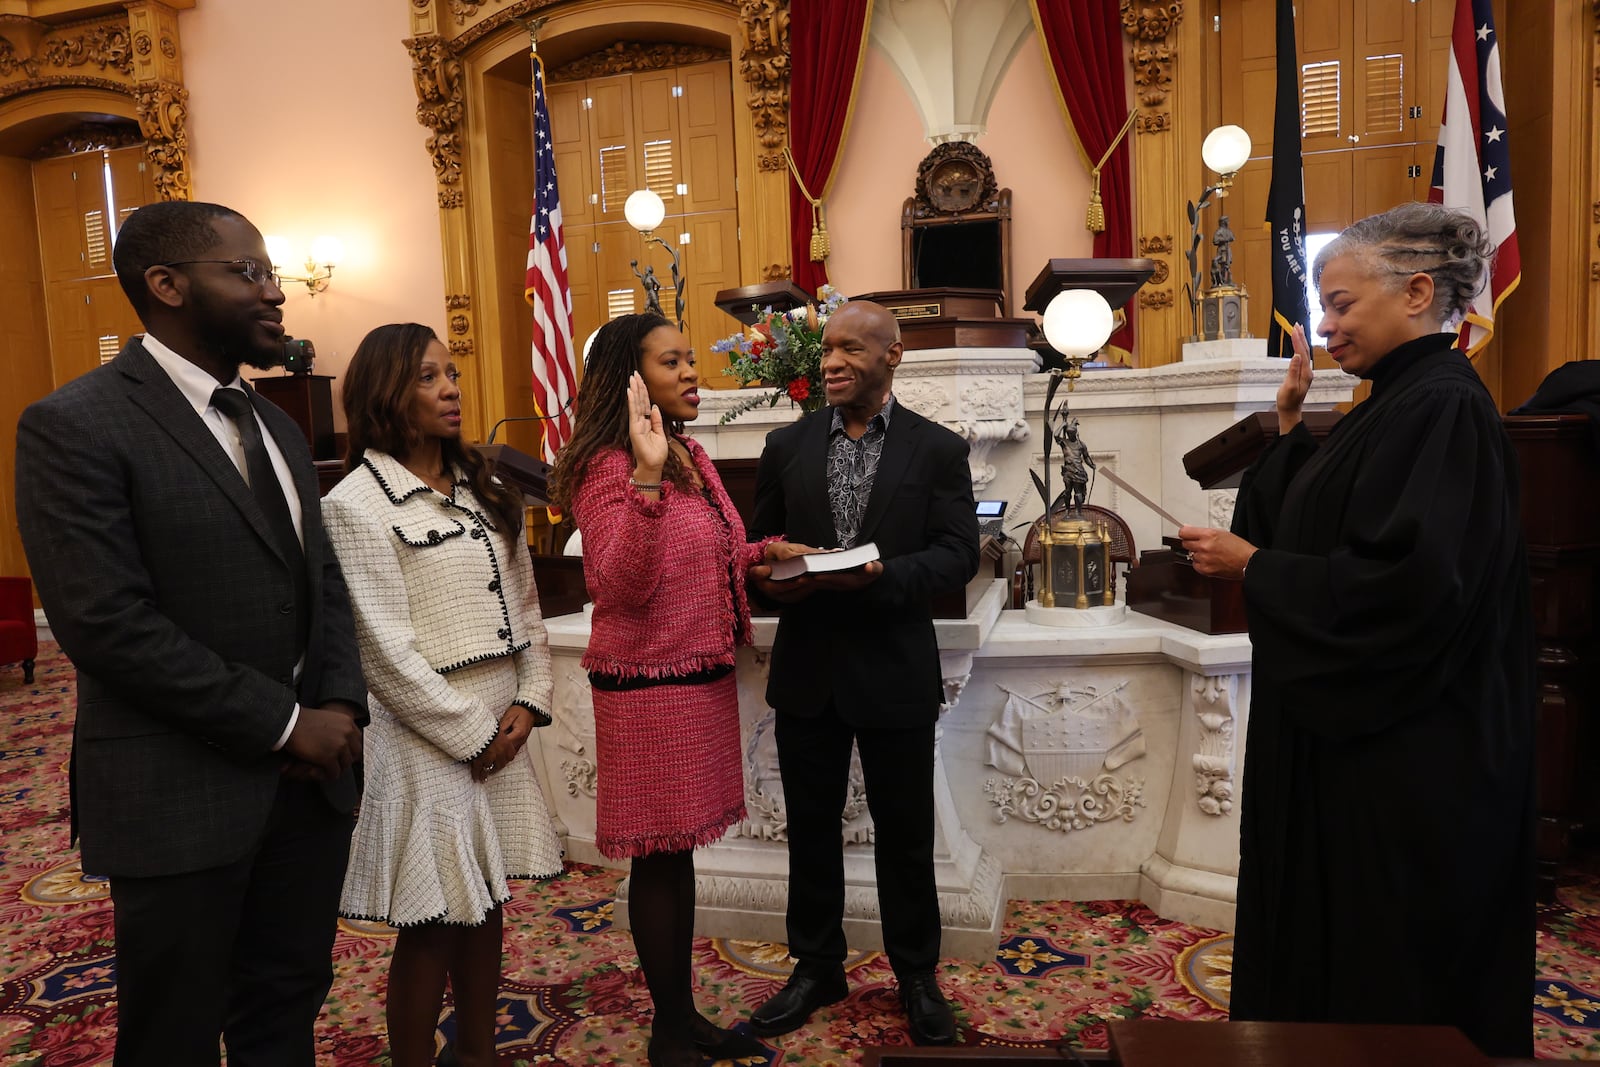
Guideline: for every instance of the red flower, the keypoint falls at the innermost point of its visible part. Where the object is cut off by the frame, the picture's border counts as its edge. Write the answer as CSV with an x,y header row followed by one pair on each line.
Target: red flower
x,y
757,347
799,389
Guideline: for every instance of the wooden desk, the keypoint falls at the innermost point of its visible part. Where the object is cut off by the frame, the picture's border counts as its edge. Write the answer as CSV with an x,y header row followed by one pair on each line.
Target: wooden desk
x,y
1168,1043
1561,523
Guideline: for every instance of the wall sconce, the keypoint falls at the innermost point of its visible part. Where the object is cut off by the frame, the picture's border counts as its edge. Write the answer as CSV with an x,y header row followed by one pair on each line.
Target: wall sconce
x,y
326,252
644,211
1226,149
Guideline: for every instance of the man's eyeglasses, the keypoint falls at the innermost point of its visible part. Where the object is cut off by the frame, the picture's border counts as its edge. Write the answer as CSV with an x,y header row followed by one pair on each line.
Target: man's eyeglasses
x,y
252,271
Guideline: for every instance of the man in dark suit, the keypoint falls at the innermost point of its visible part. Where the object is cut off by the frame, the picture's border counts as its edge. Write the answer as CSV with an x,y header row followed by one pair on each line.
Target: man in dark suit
x,y
855,660
176,541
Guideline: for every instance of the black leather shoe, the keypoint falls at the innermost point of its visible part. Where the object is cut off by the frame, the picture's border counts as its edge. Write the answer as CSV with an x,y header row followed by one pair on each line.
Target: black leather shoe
x,y
792,1005
930,1018
719,1044
672,1052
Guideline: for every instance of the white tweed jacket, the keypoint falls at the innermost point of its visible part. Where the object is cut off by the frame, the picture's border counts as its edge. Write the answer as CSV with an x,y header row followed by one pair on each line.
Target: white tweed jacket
x,y
436,584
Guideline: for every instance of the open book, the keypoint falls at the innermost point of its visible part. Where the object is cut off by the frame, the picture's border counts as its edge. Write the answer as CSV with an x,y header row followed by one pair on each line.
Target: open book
x,y
839,559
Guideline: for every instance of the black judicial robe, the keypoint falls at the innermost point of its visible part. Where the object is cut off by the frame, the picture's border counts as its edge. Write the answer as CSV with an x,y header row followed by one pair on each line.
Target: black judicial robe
x,y
1386,822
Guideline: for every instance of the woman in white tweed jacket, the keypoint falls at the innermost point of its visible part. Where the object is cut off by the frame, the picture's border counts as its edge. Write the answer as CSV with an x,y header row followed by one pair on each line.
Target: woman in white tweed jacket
x,y
458,665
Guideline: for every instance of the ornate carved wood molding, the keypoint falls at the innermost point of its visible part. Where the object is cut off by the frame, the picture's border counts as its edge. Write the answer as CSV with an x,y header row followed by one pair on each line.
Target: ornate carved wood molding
x,y
764,62
163,108
626,57
90,137
440,107
133,53
34,55
1150,25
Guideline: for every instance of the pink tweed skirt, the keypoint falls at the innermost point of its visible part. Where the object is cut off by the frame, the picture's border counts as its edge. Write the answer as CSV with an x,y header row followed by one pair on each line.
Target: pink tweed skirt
x,y
668,767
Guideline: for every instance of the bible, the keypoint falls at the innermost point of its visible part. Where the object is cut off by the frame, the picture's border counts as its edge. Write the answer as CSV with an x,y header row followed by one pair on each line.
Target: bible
x,y
841,559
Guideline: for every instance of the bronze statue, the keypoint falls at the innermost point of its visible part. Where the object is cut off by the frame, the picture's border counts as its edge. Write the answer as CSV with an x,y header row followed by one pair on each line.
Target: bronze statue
x,y
1076,463
651,286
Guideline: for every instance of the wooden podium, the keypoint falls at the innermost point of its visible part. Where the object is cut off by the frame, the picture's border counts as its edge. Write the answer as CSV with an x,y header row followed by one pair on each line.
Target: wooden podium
x,y
1164,585
952,318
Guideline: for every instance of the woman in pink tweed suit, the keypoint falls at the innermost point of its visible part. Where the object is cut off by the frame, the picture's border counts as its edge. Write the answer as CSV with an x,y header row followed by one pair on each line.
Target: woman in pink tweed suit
x,y
665,558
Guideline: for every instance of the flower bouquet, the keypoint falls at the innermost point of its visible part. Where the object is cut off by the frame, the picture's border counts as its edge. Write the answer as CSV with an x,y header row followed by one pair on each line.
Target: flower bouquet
x,y
782,350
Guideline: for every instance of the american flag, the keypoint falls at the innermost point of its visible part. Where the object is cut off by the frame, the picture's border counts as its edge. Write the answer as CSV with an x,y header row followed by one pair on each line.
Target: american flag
x,y
1472,166
554,377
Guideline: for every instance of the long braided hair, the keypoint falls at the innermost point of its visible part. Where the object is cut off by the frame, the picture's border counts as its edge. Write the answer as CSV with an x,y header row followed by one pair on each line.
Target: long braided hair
x,y
602,406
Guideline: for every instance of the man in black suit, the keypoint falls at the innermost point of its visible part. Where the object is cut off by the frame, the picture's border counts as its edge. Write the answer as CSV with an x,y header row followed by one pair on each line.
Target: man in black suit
x,y
856,662
176,541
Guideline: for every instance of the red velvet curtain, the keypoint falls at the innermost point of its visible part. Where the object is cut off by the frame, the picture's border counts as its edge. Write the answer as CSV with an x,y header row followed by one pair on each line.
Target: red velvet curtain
x,y
1084,42
825,42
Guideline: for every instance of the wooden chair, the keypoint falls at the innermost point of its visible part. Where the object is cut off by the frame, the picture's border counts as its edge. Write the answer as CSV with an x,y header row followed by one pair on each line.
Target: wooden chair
x,y
19,637
1120,550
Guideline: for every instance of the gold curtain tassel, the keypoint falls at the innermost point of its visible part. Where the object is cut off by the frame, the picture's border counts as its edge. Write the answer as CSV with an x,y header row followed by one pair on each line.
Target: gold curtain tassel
x,y
1096,220
820,245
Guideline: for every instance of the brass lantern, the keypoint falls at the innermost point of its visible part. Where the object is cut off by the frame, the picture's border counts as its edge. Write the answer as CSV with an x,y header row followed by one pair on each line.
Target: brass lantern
x,y
1077,564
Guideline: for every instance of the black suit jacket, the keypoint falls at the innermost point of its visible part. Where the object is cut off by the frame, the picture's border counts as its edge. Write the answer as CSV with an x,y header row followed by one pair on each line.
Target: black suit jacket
x,y
161,582
873,652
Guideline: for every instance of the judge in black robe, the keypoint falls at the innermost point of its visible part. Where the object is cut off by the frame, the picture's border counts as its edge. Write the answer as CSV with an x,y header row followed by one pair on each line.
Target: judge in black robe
x,y
1386,823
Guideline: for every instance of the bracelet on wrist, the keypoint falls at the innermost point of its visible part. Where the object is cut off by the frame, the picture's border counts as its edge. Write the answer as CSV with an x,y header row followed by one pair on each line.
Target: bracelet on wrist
x,y
645,487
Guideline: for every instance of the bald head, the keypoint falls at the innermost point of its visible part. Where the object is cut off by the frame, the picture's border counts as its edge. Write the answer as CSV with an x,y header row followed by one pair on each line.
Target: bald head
x,y
872,321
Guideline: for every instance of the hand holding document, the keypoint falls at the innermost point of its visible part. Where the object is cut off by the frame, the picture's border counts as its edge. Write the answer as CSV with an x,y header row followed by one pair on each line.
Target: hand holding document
x,y
1115,479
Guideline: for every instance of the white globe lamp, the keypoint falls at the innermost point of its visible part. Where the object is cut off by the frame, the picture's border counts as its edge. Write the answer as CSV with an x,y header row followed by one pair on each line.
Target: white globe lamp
x,y
1077,323
644,210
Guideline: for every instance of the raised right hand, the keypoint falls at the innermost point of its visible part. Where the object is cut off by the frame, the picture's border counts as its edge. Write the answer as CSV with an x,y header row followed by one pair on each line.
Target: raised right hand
x,y
326,738
1296,382
645,433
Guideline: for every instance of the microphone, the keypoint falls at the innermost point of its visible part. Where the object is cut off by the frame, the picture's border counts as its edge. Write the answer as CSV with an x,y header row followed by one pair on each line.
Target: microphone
x,y
527,418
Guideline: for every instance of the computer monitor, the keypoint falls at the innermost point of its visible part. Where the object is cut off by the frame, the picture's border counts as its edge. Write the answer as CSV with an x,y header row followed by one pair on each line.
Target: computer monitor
x,y
992,518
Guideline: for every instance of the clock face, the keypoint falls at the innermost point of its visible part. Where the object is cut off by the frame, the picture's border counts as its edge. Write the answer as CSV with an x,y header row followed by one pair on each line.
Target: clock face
x,y
954,185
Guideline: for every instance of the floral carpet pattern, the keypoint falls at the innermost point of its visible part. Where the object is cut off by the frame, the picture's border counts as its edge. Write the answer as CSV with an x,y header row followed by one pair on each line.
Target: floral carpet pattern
x,y
572,993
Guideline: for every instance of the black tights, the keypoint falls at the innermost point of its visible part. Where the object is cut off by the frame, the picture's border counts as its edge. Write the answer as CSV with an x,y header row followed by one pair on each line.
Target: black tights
x,y
661,912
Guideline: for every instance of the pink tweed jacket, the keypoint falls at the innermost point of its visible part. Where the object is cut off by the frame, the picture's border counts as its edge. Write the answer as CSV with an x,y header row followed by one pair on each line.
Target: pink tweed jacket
x,y
657,571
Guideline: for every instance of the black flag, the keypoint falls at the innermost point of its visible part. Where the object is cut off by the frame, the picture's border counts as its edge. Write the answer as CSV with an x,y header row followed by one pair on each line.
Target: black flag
x,y
1286,200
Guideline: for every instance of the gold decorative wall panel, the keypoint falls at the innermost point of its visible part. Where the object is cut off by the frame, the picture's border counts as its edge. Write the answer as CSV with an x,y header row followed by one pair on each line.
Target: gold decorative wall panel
x,y
1166,94
461,52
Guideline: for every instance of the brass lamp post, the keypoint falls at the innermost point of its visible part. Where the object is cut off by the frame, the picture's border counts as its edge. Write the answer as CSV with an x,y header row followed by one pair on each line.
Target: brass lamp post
x,y
1075,558
1217,310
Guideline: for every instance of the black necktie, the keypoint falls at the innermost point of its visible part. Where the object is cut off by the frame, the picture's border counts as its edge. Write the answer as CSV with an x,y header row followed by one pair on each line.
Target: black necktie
x,y
259,473
268,491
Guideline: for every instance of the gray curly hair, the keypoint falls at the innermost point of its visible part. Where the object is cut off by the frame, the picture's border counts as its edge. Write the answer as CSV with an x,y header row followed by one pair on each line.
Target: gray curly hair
x,y
1446,244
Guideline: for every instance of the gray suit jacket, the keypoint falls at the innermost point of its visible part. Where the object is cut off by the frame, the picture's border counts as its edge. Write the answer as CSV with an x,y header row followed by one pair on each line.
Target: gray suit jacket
x,y
159,576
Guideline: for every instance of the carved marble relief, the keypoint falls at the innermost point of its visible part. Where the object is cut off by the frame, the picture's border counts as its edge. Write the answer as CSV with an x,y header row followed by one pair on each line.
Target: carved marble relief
x,y
767,819
1219,507
981,437
1214,699
577,763
925,397
1059,750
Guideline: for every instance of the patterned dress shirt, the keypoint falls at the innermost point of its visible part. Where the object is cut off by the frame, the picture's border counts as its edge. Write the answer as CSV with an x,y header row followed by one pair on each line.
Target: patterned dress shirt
x,y
852,468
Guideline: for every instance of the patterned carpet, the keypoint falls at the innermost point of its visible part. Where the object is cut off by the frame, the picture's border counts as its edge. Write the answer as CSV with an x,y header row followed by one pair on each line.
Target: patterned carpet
x,y
573,990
